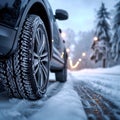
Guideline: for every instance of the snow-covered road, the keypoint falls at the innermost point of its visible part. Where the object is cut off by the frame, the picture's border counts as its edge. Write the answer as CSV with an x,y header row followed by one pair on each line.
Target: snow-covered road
x,y
88,94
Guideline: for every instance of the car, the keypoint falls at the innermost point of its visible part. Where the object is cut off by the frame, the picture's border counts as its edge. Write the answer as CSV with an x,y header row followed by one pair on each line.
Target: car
x,y
30,47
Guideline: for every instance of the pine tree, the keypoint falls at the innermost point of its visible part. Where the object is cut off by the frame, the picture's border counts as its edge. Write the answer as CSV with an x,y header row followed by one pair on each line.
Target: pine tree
x,y
115,41
101,42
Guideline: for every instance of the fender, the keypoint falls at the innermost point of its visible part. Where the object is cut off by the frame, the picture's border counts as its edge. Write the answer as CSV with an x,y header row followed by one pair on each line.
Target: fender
x,y
12,17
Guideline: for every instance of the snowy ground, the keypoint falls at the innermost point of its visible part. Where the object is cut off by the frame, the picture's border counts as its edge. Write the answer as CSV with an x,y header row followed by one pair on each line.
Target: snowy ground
x,y
105,81
61,101
99,90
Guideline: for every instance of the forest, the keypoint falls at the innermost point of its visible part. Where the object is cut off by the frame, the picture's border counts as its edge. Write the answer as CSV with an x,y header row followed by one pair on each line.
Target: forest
x,y
100,46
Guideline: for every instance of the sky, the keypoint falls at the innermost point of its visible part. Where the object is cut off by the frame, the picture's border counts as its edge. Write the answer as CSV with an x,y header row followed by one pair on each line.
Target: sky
x,y
81,12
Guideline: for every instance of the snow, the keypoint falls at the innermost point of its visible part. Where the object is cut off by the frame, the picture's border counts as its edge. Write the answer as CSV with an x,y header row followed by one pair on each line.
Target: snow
x,y
113,70
61,101
115,41
65,105
104,81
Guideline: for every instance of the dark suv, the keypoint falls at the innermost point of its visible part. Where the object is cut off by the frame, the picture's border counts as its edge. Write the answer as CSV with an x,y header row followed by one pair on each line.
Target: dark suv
x,y
30,47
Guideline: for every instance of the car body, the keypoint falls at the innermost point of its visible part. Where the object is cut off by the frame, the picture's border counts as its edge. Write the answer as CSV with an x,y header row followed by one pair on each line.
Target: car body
x,y
30,37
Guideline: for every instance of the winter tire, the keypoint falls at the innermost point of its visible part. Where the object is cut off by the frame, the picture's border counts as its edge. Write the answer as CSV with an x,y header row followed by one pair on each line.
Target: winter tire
x,y
26,73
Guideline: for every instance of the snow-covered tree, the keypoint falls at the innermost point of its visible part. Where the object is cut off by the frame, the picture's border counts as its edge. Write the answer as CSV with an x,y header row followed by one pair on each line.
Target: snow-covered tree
x,y
101,41
115,41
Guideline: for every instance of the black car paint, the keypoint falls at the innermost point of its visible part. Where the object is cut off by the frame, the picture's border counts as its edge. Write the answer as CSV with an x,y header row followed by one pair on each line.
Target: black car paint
x,y
12,16
7,10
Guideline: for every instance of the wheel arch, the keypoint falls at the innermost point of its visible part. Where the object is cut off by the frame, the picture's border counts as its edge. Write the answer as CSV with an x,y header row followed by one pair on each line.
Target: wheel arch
x,y
38,9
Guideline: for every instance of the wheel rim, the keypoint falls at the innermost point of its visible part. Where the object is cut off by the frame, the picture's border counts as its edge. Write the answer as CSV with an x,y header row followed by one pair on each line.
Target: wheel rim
x,y
41,58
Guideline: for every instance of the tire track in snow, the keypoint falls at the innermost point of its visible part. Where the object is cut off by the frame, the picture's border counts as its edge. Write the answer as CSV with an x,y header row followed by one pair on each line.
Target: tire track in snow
x,y
96,106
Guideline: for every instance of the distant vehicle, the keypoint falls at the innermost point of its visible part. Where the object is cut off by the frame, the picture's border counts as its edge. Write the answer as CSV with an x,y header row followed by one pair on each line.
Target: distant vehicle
x,y
30,47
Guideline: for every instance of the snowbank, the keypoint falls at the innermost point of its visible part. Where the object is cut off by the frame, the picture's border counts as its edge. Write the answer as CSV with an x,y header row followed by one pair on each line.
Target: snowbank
x,y
64,106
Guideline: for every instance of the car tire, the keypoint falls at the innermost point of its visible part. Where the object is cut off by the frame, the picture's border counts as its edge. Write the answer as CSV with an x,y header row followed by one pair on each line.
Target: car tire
x,y
25,74
61,75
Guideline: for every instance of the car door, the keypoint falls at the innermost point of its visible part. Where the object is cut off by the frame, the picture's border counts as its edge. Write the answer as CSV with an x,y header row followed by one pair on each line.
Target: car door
x,y
58,45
